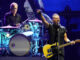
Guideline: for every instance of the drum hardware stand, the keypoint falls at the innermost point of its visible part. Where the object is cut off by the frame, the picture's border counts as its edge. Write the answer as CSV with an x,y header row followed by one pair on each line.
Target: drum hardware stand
x,y
36,48
58,30
2,36
3,47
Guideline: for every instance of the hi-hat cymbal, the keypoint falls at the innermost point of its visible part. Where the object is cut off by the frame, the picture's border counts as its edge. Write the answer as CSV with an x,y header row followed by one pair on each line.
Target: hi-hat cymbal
x,y
12,27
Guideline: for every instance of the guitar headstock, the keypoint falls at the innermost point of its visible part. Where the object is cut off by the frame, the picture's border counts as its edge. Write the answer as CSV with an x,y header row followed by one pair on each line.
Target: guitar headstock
x,y
77,41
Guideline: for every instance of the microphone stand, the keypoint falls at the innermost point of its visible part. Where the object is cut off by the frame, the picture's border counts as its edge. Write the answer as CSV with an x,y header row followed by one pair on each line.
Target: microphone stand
x,y
58,30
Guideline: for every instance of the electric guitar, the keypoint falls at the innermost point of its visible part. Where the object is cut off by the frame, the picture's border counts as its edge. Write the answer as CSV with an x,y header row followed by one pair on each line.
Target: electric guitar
x,y
47,48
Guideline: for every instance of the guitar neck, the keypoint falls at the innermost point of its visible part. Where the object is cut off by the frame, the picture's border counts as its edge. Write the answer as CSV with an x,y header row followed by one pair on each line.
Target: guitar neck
x,y
61,46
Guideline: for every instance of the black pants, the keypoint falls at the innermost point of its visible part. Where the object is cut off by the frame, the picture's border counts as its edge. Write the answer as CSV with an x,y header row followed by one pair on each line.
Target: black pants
x,y
59,54
53,58
59,57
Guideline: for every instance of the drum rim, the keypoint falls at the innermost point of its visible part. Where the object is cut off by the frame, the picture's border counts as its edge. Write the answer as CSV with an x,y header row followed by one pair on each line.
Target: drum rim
x,y
27,39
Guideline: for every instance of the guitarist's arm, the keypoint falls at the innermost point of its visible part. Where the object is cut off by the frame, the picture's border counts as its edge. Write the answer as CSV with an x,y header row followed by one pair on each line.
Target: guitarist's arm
x,y
43,19
67,39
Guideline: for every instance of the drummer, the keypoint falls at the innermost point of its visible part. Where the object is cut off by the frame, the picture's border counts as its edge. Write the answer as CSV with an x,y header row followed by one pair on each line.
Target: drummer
x,y
12,18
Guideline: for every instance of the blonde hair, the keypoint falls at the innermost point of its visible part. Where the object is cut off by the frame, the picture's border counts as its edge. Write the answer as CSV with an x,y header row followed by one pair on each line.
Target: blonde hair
x,y
13,4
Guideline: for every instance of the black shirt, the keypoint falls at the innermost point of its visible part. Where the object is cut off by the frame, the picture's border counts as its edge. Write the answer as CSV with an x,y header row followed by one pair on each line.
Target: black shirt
x,y
9,19
56,33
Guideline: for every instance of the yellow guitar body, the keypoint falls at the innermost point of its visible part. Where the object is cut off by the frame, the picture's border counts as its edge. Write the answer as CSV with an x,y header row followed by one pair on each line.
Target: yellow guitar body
x,y
46,49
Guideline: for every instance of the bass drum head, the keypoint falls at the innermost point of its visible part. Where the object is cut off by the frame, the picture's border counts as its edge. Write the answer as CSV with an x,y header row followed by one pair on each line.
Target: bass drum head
x,y
19,45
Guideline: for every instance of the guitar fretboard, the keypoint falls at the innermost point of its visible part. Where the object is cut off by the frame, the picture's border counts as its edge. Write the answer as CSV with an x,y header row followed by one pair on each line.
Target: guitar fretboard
x,y
61,46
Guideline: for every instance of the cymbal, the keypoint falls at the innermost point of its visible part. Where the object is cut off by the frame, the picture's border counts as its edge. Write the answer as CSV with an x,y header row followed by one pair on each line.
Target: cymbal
x,y
35,20
10,27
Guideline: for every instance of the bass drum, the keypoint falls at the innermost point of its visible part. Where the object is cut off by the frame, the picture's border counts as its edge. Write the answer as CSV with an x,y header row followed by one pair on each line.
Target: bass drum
x,y
19,45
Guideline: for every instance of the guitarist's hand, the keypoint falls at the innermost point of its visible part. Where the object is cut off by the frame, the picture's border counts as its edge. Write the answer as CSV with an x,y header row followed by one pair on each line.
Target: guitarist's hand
x,y
72,42
39,11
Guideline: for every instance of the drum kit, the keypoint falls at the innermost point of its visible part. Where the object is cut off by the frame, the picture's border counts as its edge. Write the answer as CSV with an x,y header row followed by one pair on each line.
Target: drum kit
x,y
21,40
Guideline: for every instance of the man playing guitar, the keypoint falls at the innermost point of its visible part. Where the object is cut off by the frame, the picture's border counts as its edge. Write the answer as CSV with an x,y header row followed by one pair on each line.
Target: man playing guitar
x,y
57,33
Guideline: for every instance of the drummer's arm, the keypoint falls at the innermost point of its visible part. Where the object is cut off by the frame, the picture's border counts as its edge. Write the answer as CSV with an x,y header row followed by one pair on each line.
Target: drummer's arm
x,y
6,20
20,21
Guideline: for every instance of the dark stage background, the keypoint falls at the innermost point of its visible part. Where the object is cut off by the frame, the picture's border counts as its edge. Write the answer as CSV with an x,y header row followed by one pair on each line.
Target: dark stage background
x,y
69,11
